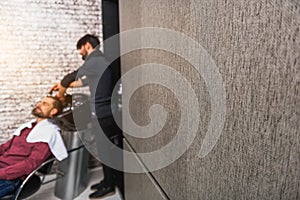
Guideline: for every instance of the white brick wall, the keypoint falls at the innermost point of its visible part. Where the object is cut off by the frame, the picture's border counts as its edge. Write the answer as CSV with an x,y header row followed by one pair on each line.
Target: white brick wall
x,y
37,47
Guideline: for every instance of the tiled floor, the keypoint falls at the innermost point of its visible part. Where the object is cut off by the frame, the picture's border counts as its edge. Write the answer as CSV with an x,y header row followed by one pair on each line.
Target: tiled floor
x,y
46,192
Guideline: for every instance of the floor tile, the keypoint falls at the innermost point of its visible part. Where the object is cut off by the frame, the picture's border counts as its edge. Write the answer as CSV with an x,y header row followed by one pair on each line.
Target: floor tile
x,y
46,191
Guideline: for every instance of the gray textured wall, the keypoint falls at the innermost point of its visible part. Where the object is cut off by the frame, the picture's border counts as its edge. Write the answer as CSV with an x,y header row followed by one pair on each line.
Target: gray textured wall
x,y
37,47
256,46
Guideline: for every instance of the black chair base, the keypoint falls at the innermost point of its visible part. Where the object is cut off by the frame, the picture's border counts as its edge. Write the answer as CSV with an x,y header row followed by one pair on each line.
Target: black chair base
x,y
32,183
31,187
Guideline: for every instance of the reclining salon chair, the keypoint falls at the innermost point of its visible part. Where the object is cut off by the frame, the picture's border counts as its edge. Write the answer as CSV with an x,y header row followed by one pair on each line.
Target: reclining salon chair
x,y
32,183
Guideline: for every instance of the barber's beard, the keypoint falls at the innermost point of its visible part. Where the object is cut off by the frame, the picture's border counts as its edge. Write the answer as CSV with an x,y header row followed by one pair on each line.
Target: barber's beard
x,y
84,54
38,114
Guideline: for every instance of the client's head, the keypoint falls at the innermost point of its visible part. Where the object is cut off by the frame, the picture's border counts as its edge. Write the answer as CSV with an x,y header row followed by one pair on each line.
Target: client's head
x,y
48,107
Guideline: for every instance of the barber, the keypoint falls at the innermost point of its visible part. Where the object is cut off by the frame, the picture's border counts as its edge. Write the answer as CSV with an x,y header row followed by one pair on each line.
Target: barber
x,y
96,74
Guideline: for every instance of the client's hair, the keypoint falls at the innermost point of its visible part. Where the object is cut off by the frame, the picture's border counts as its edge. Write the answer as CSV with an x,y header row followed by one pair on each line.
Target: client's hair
x,y
57,104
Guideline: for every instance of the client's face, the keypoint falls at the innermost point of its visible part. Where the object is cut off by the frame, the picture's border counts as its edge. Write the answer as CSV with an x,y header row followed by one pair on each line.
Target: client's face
x,y
43,108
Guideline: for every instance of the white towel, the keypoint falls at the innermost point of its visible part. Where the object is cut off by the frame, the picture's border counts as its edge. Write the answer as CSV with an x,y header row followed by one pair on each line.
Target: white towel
x,y
47,132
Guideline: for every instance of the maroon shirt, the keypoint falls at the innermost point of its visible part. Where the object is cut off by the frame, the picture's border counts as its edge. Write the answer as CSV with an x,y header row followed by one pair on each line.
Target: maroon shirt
x,y
19,158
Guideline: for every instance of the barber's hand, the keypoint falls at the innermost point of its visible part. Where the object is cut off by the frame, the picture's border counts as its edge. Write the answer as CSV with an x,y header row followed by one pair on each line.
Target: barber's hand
x,y
55,87
77,83
61,90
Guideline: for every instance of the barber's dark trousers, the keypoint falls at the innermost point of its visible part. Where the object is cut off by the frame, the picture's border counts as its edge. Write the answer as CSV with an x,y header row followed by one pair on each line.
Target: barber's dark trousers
x,y
112,176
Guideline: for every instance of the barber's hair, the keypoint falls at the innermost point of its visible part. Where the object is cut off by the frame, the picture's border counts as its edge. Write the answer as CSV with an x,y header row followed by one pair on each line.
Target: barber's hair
x,y
57,104
93,40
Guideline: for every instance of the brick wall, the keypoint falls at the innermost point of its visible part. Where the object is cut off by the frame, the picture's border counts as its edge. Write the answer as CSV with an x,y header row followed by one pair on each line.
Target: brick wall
x,y
37,47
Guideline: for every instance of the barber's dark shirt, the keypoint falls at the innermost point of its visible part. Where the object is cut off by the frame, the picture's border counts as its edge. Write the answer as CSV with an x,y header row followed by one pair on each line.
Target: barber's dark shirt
x,y
96,73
